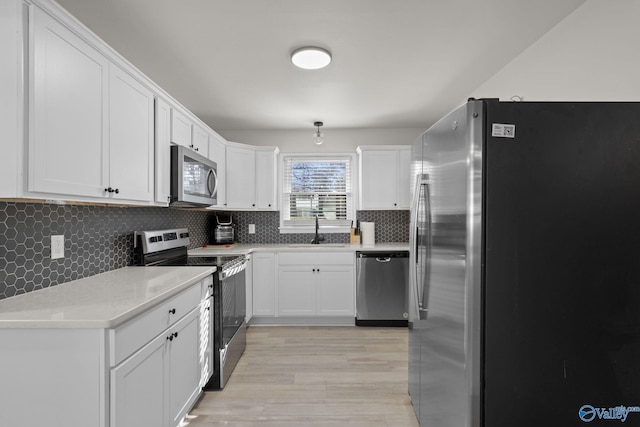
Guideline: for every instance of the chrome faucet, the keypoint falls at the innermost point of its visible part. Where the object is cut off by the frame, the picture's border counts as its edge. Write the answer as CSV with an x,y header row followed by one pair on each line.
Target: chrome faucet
x,y
317,239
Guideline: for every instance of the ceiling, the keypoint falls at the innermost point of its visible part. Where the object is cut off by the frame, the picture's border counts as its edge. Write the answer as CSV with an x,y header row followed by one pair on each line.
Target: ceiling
x,y
396,64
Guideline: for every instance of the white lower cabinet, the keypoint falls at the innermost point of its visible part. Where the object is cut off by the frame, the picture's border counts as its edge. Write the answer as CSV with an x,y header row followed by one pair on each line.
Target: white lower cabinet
x,y
316,284
138,387
158,384
264,283
183,367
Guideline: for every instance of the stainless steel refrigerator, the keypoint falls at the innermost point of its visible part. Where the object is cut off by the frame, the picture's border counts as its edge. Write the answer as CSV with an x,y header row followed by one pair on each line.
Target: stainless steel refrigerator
x,y
525,266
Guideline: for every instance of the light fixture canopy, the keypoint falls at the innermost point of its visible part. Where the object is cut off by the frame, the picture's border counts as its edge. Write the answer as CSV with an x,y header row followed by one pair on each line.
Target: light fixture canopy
x,y
311,57
318,137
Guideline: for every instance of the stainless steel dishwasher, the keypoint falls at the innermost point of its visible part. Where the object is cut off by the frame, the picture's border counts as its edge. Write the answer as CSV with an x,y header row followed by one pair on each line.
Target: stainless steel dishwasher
x,y
382,288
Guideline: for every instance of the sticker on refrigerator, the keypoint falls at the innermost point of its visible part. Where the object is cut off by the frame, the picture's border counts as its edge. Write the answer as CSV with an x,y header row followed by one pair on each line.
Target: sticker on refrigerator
x,y
501,130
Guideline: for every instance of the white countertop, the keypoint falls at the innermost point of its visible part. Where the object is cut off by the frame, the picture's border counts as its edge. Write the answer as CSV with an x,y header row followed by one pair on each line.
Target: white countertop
x,y
243,249
101,301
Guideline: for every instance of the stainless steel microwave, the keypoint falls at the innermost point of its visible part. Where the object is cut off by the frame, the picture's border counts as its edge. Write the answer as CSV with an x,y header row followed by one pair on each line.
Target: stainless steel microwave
x,y
194,179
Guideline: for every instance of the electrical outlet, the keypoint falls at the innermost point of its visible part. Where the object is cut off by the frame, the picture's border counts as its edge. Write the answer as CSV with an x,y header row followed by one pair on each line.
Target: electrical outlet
x,y
57,246
252,229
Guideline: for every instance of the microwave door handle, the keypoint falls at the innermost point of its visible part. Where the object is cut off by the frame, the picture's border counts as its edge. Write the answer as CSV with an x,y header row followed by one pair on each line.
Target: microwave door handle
x,y
215,187
211,174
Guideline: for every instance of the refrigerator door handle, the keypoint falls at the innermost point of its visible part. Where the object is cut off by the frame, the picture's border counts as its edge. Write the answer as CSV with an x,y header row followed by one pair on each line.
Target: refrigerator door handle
x,y
414,309
423,288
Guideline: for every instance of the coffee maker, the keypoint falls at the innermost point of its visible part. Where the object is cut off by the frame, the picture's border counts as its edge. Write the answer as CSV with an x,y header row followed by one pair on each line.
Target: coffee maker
x,y
222,230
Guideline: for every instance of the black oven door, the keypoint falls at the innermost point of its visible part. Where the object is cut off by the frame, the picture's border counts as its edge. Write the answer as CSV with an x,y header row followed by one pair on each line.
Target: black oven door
x,y
229,325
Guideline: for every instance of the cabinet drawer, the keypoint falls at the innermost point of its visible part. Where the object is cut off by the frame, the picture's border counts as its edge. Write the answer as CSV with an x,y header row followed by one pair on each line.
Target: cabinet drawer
x,y
316,258
139,331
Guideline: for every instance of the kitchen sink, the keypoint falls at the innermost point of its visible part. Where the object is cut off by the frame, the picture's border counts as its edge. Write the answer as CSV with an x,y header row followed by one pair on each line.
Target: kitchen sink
x,y
313,245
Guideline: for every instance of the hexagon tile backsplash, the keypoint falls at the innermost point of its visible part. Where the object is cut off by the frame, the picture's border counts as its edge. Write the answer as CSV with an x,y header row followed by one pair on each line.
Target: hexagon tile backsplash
x,y
97,239
100,238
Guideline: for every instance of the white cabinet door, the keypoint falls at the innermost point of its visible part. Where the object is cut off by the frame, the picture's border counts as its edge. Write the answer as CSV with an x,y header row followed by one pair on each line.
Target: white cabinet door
x,y
378,185
200,141
249,289
206,344
183,365
335,287
241,177
404,178
138,388
180,128
68,147
384,177
316,284
131,135
296,290
162,153
264,284
217,153
266,179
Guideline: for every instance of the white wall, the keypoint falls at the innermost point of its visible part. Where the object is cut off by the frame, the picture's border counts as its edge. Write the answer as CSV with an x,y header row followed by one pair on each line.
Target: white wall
x,y
592,55
336,140
9,92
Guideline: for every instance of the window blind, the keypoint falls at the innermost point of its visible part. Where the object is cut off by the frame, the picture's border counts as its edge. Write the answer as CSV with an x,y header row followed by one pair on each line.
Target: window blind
x,y
317,186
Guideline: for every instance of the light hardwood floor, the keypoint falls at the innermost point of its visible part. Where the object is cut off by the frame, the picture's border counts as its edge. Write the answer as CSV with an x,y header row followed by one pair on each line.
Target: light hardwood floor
x,y
314,376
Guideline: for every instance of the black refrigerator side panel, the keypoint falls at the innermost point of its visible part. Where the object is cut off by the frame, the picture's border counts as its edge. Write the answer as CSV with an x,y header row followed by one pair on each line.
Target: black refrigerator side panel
x,y
562,265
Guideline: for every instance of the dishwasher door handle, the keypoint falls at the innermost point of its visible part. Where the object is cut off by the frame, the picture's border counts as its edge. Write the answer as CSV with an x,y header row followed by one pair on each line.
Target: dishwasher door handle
x,y
385,259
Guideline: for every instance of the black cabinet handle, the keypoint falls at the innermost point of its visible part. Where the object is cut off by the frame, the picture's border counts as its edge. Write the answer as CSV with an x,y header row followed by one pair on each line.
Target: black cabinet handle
x,y
112,190
172,336
172,311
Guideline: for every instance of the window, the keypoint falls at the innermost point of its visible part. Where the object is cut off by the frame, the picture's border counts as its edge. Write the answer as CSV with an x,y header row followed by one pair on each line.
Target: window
x,y
314,185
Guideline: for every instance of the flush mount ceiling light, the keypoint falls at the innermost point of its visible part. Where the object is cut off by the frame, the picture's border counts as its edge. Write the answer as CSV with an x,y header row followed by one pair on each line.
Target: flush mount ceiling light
x,y
311,58
318,137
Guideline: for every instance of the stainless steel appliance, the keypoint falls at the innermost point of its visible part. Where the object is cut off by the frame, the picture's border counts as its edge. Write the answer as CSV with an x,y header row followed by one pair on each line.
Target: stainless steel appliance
x,y
222,229
194,179
525,282
382,285
228,297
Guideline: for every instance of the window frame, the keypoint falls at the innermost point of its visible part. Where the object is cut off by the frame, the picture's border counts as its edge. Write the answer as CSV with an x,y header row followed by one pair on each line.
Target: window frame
x,y
327,226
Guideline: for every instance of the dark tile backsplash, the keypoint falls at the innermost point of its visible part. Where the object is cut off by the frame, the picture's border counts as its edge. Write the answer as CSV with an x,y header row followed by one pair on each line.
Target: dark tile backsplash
x,y
97,239
391,226
100,238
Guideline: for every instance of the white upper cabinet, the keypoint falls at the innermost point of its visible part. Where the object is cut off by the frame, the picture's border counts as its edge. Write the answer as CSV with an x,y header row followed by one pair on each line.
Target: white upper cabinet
x,y
217,153
180,128
200,140
68,145
384,177
250,177
266,196
91,123
162,152
241,177
131,142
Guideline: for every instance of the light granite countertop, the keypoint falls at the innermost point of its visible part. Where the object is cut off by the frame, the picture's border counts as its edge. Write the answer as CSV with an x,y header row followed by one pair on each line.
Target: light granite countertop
x,y
243,249
104,300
